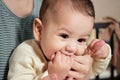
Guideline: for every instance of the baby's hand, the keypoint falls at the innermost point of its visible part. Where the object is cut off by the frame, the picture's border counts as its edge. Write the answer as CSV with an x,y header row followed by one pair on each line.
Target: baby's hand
x,y
60,65
98,49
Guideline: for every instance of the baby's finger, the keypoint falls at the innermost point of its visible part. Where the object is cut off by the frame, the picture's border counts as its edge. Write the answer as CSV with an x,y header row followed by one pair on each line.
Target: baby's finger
x,y
98,45
89,48
57,58
95,46
102,52
92,43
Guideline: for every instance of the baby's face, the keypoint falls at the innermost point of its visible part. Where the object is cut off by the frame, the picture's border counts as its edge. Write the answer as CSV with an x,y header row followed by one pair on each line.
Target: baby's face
x,y
66,33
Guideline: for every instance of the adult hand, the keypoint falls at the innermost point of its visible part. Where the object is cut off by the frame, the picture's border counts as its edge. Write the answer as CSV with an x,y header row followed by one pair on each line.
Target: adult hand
x,y
81,68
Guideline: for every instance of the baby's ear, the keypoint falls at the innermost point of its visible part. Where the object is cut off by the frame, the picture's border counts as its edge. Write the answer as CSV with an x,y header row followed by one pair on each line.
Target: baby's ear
x,y
37,28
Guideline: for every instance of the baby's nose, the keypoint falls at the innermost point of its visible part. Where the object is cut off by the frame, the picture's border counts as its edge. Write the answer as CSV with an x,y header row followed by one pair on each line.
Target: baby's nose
x,y
71,49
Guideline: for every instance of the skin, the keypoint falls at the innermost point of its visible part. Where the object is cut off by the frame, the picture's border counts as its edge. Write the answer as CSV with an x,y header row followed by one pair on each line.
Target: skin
x,y
63,41
98,49
21,8
61,37
65,33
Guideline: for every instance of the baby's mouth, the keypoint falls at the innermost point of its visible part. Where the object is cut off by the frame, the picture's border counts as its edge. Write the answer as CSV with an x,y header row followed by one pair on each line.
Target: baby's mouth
x,y
66,53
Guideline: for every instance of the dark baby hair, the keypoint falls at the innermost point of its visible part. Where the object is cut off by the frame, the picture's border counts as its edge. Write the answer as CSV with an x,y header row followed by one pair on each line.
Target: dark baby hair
x,y
84,6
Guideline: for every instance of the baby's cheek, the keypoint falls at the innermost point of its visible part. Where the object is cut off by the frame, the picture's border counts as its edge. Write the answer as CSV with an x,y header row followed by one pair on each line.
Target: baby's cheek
x,y
80,51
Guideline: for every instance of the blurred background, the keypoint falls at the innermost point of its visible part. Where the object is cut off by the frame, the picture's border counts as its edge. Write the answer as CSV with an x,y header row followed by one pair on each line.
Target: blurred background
x,y
105,8
102,30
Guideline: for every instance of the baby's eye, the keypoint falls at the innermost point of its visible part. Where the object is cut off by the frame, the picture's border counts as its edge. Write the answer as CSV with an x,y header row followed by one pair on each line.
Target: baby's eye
x,y
64,35
81,40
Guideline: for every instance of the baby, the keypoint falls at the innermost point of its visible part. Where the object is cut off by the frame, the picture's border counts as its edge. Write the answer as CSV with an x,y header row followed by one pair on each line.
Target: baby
x,y
59,51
